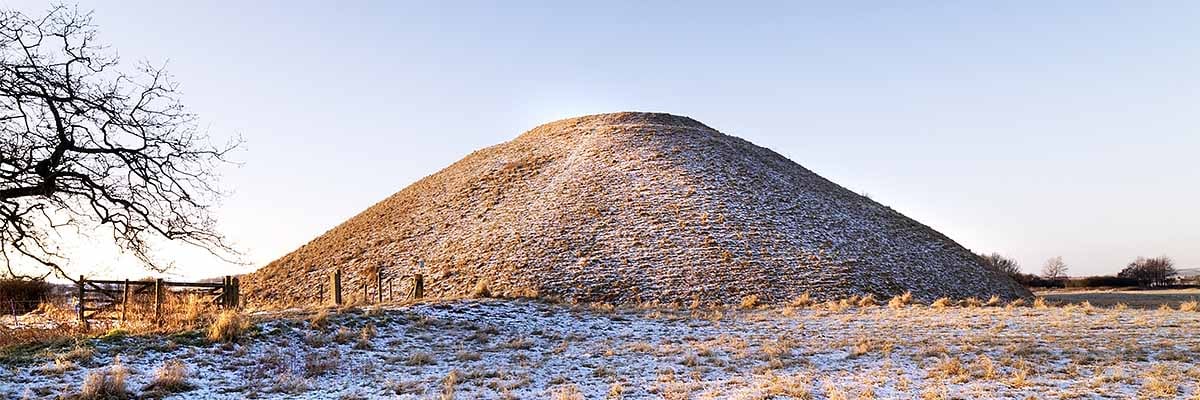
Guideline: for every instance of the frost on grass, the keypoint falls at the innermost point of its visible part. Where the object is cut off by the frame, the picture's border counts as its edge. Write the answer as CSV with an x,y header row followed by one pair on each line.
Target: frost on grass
x,y
526,349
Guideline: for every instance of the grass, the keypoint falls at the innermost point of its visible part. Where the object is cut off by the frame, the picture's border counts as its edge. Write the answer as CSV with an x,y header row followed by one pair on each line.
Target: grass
x,y
419,358
171,377
106,383
750,302
900,301
1189,306
905,349
229,327
802,301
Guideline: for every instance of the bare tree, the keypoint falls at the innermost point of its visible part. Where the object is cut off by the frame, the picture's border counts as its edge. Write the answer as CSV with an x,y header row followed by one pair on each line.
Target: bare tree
x,y
1054,268
1000,263
1150,272
86,145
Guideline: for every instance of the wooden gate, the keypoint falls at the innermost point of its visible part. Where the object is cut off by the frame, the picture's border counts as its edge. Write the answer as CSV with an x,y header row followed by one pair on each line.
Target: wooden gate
x,y
97,296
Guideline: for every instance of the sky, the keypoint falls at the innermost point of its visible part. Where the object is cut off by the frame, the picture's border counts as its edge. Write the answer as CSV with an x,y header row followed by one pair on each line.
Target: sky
x,y
1033,129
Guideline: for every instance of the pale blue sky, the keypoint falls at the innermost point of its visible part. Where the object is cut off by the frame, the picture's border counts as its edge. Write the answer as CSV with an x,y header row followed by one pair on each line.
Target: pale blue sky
x,y
1030,128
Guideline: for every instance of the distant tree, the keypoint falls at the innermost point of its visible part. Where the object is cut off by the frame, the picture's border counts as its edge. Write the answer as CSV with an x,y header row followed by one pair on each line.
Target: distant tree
x,y
1054,268
1148,272
999,263
87,146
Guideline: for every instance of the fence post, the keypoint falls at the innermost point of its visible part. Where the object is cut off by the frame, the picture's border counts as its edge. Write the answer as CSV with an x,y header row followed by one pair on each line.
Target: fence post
x,y
418,286
82,304
158,300
125,302
225,292
335,287
236,300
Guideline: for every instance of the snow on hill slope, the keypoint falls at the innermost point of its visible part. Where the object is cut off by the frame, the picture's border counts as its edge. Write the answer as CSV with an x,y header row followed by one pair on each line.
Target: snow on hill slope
x,y
633,207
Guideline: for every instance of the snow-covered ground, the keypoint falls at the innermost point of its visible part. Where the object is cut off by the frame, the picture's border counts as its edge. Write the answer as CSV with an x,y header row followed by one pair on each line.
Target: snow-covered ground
x,y
528,349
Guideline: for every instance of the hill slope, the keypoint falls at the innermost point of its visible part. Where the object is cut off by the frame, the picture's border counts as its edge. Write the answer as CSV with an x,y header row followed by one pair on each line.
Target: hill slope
x,y
633,207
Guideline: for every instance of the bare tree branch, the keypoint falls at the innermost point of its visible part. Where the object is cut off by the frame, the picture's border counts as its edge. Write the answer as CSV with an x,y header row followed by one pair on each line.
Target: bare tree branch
x,y
86,145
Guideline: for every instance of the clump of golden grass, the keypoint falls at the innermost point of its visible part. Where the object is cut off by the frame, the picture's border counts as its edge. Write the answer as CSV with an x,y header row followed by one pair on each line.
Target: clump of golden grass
x,y
105,383
801,301
993,301
1015,303
1040,303
171,377
343,335
1020,377
1189,306
616,391
229,326
797,386
900,301
984,367
867,301
750,302
448,385
1161,382
951,368
941,303
972,302
861,348
482,289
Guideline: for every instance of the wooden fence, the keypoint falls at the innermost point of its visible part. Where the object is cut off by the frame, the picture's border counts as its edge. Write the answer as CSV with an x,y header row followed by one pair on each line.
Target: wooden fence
x,y
385,288
97,296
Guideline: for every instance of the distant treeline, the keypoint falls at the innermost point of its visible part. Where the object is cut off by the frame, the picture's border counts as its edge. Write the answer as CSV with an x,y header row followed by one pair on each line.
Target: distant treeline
x,y
1157,272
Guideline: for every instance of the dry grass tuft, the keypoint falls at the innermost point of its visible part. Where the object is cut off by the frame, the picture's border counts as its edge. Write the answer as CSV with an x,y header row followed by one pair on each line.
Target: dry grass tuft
x,y
419,358
171,377
482,289
449,384
801,301
1189,306
750,302
868,301
1161,381
951,368
229,327
942,303
106,383
900,301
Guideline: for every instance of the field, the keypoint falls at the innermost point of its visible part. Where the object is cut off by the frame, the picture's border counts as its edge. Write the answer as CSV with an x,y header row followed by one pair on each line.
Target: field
x,y
1132,298
533,349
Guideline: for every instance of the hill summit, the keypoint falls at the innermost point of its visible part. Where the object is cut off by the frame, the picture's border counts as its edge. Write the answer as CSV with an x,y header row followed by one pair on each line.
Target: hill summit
x,y
633,207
